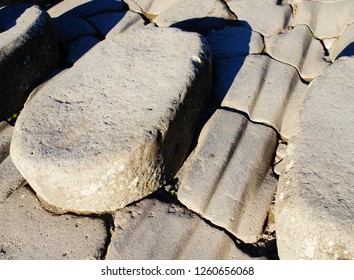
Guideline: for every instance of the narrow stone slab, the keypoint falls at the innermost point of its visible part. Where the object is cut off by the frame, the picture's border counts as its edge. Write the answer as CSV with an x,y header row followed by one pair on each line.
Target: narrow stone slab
x,y
315,197
6,131
86,8
343,42
234,41
95,141
228,182
264,16
154,230
273,96
116,23
28,232
10,179
28,52
298,48
325,20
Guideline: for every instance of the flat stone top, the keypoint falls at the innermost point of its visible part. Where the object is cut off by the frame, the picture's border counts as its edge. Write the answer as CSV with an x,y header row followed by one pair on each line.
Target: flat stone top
x,y
98,86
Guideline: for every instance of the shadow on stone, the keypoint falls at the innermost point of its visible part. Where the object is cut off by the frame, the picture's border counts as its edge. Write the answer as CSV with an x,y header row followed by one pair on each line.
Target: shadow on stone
x,y
348,51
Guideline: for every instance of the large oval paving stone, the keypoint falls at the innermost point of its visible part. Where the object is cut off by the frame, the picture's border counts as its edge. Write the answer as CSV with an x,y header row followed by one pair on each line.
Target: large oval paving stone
x,y
117,125
315,196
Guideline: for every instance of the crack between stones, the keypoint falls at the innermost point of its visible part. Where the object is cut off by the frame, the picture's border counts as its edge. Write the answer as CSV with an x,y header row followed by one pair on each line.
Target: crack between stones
x,y
229,10
254,250
148,18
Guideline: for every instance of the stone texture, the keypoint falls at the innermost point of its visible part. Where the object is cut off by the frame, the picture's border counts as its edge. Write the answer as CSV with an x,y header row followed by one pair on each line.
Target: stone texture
x,y
28,232
115,23
234,41
66,33
315,197
154,230
6,131
95,141
298,48
86,8
197,15
78,48
10,179
343,43
28,51
228,182
325,20
273,96
150,8
264,16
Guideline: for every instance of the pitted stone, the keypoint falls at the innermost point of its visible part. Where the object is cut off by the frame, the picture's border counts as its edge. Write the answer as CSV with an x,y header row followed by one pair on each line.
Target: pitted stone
x,y
28,232
315,196
118,124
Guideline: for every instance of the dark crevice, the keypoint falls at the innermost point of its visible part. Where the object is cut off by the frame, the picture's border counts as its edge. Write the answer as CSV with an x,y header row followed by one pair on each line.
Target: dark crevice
x,y
227,7
110,228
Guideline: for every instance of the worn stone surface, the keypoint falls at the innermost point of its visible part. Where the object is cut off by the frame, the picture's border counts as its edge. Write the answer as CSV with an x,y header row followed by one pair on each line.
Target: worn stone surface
x,y
28,51
234,41
6,131
78,48
150,8
344,42
28,232
298,48
130,126
229,171
273,96
264,16
154,230
66,33
10,179
115,23
315,197
325,20
86,8
194,15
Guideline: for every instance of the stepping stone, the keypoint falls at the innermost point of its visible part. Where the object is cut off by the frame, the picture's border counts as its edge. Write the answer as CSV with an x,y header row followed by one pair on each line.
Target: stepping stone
x,y
228,182
116,23
343,43
28,232
6,131
325,20
86,8
234,41
298,48
315,197
154,230
264,16
10,179
66,33
95,141
192,15
28,52
79,47
273,96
